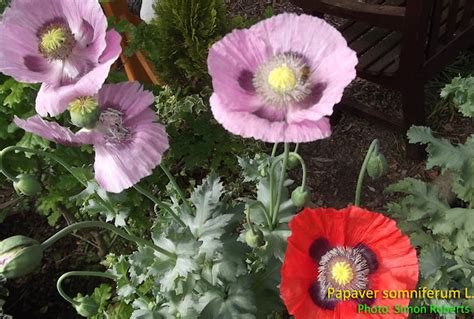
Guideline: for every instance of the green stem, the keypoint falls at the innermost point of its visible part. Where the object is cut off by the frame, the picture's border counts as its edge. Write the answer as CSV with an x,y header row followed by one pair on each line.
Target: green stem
x,y
78,274
297,146
272,188
303,168
456,267
159,203
264,210
51,157
37,152
177,188
274,150
97,224
373,147
249,221
280,184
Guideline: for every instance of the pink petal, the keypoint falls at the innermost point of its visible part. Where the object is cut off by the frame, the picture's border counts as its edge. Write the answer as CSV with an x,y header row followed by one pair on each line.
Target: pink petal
x,y
54,99
312,37
127,97
52,131
232,60
119,166
88,22
248,124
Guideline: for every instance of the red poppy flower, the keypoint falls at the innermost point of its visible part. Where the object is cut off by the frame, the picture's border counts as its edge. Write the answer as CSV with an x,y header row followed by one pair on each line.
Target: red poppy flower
x,y
350,249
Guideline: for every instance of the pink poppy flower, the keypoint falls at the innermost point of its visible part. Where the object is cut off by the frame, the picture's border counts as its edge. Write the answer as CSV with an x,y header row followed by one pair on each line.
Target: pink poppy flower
x,y
128,144
62,43
279,80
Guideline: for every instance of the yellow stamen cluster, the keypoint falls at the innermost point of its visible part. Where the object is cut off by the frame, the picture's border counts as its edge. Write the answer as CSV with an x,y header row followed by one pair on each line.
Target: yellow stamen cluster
x,y
342,273
53,40
282,79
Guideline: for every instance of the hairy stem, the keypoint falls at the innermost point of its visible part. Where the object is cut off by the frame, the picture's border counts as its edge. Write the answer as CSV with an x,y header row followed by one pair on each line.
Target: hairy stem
x,y
280,184
303,168
159,203
177,188
78,274
373,147
97,224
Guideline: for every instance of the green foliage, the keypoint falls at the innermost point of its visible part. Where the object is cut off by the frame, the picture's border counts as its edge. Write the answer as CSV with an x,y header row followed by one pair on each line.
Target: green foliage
x,y
215,274
3,5
461,92
178,39
197,142
438,225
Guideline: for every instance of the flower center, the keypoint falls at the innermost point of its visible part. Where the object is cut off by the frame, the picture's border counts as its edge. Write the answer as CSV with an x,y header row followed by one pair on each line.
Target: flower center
x,y
56,41
342,273
282,80
343,268
83,105
84,111
112,127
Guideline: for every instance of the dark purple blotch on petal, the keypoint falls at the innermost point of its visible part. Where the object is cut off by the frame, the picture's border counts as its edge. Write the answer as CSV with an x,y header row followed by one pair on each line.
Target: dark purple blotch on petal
x,y
246,81
314,97
369,255
319,248
320,299
35,63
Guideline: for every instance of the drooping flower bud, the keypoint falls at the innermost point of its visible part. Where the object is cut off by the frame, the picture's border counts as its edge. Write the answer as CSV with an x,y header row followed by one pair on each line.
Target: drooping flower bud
x,y
19,256
292,161
300,196
256,239
84,112
27,185
87,306
377,165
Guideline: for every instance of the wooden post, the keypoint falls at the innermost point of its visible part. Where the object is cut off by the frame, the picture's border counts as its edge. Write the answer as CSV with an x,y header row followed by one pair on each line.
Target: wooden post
x,y
136,67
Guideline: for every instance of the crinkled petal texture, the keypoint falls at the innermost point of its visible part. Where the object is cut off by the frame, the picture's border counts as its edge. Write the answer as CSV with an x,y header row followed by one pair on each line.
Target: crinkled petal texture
x,y
119,166
397,260
234,60
91,55
53,99
54,132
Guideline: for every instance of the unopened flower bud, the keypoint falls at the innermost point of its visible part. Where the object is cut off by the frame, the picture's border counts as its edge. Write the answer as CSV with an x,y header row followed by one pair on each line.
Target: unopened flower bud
x,y
300,196
292,161
87,306
256,239
84,112
377,165
27,185
19,256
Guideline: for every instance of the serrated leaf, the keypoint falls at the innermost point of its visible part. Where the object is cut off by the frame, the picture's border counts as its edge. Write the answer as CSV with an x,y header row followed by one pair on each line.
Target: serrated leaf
x,y
120,311
422,201
102,294
206,198
238,303
431,260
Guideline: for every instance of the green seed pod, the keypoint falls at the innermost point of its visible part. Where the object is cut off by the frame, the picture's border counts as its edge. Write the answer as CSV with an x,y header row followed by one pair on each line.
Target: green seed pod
x,y
377,165
300,196
27,185
255,240
292,161
87,306
19,256
85,112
